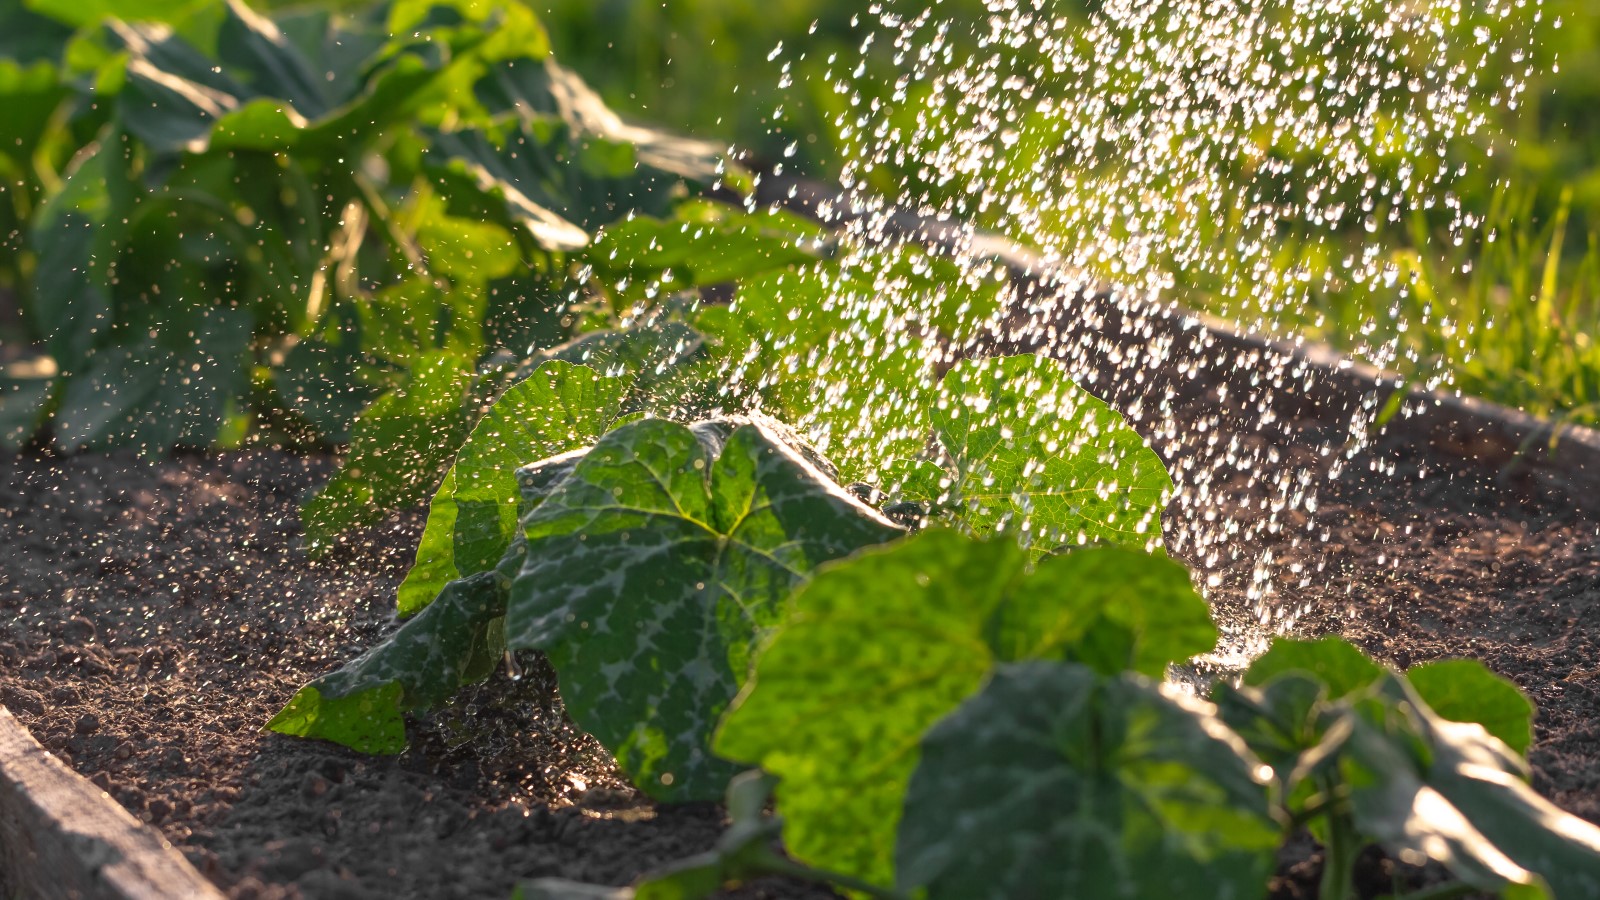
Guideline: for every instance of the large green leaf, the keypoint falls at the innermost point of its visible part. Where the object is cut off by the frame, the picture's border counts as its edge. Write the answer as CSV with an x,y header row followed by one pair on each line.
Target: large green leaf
x,y
74,235
653,570
1331,660
406,322
547,179
1451,792
702,243
883,645
550,159
1027,451
557,408
544,91
816,346
33,94
400,447
658,357
484,170
246,86
457,640
27,37
1464,690
79,12
328,380
1055,781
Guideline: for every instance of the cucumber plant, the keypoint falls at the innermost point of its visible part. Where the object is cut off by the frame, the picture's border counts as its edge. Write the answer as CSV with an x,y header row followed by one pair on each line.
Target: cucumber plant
x,y
647,558
409,229
712,599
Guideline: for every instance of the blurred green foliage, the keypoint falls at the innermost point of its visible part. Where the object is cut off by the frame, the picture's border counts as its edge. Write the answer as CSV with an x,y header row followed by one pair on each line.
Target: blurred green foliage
x,y
385,190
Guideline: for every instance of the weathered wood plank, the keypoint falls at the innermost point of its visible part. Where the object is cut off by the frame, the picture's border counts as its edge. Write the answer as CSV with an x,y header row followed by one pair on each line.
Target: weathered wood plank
x,y
62,837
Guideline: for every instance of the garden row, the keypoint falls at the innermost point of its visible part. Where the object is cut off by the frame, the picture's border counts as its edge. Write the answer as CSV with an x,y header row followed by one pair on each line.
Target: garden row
x,y
412,229
951,711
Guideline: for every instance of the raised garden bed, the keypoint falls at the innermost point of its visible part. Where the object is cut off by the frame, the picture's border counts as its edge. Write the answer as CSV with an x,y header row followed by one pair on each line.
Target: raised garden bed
x,y
159,612
945,649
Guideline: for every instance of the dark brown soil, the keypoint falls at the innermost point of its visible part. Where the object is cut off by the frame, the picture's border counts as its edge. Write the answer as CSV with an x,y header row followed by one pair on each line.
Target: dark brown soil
x,y
157,613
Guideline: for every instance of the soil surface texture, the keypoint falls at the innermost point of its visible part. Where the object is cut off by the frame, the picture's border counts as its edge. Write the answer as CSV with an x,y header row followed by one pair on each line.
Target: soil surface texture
x,y
153,614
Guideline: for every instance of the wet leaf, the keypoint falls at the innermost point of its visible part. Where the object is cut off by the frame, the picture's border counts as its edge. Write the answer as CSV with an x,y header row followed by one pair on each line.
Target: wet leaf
x,y
702,243
559,407
924,622
653,570
788,344
71,302
1027,451
456,641
251,88
328,380
657,358
410,321
546,92
1056,781
556,177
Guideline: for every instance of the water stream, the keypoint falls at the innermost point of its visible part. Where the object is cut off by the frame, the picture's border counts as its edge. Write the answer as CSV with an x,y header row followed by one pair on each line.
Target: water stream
x,y
1252,158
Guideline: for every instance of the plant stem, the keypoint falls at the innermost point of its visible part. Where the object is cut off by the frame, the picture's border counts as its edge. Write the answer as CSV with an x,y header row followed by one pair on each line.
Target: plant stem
x,y
1338,866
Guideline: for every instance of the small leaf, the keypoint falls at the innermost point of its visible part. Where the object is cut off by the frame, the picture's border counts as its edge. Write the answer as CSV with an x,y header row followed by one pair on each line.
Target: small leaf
x,y
922,623
654,568
1331,660
457,640
559,407
1464,690
1054,781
